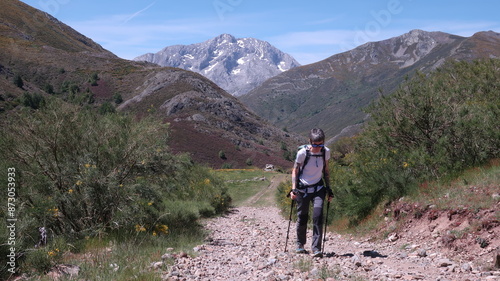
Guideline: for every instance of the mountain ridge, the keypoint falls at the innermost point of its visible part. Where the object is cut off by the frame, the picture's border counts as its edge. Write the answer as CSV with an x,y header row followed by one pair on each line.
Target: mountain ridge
x,y
235,64
43,27
52,59
332,93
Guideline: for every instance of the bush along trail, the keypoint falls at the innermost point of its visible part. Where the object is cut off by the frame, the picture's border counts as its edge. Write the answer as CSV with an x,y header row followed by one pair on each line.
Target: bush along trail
x,y
248,243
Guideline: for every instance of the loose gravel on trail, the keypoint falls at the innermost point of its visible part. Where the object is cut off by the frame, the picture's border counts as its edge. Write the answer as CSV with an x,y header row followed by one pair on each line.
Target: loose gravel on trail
x,y
249,242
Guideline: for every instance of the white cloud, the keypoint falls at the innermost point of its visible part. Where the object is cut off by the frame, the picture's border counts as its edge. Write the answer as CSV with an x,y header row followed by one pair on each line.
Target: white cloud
x,y
324,21
139,12
312,57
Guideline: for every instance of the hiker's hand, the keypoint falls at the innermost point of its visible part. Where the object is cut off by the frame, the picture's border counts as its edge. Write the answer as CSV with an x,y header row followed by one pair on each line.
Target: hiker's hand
x,y
330,193
293,195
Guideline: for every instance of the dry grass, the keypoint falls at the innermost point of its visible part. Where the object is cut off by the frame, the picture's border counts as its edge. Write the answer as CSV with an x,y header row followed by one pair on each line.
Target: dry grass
x,y
474,189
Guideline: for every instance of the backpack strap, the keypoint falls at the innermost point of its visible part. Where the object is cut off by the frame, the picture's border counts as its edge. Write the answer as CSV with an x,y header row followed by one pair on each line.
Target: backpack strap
x,y
323,154
308,156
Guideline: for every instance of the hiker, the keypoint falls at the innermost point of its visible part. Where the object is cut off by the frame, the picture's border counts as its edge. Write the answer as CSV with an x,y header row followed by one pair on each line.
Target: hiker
x,y
310,183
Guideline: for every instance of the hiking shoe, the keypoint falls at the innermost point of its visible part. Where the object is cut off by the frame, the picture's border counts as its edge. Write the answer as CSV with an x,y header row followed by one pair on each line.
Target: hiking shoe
x,y
318,254
300,250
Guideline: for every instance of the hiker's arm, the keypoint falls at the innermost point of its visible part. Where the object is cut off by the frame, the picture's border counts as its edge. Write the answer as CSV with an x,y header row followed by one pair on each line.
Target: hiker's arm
x,y
295,173
326,176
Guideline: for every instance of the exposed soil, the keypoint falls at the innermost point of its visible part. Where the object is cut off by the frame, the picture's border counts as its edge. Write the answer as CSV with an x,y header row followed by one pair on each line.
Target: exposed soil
x,y
463,235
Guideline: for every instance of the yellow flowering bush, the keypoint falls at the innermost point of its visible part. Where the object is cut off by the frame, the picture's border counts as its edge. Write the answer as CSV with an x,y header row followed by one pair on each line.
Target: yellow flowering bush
x,y
139,228
87,174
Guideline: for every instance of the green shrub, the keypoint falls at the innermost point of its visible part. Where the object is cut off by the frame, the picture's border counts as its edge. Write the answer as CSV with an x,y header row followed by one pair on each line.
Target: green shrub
x,y
94,77
118,99
18,81
283,146
38,260
451,117
287,155
83,174
181,213
433,126
106,108
249,162
34,101
222,154
79,167
283,201
49,89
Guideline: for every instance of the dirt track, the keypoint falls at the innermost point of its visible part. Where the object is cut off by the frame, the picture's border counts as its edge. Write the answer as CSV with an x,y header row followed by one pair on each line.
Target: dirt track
x,y
249,242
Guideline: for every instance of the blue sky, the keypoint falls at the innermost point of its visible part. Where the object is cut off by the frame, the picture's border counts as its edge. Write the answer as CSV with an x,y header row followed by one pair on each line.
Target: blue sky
x,y
308,30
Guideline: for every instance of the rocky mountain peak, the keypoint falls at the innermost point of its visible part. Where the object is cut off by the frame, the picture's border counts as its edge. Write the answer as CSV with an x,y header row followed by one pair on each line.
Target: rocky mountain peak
x,y
224,38
404,50
235,64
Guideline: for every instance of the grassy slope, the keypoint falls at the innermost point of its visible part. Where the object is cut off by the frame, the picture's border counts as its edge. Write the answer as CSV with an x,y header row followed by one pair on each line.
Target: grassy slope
x,y
252,188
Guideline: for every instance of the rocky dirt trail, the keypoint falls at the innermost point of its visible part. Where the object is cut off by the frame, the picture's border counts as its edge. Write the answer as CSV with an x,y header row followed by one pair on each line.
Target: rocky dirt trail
x,y
248,244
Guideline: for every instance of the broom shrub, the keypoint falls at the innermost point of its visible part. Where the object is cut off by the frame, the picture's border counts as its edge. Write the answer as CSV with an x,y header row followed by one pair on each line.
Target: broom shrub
x,y
84,174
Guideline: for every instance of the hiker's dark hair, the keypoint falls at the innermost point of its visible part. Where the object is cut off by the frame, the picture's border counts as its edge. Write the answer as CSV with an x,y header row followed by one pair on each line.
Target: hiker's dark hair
x,y
316,135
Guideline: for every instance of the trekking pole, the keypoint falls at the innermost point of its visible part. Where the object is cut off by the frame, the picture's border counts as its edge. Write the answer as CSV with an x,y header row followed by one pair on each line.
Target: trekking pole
x,y
289,222
326,224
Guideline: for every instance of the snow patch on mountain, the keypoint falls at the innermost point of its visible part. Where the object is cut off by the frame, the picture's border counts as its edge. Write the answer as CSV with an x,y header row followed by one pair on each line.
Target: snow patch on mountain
x,y
236,65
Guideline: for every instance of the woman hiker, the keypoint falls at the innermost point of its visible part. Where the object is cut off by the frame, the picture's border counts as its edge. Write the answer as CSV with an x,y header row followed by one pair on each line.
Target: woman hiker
x,y
310,184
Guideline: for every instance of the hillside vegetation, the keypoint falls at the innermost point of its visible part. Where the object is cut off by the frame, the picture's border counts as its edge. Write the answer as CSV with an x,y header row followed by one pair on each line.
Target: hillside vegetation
x,y
42,57
95,179
81,175
432,127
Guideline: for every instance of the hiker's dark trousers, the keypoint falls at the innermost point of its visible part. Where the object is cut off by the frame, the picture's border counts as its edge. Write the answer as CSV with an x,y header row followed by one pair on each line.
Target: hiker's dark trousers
x,y
303,203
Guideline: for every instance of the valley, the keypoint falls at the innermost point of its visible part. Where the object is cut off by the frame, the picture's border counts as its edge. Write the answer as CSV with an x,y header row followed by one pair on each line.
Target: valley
x,y
163,156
